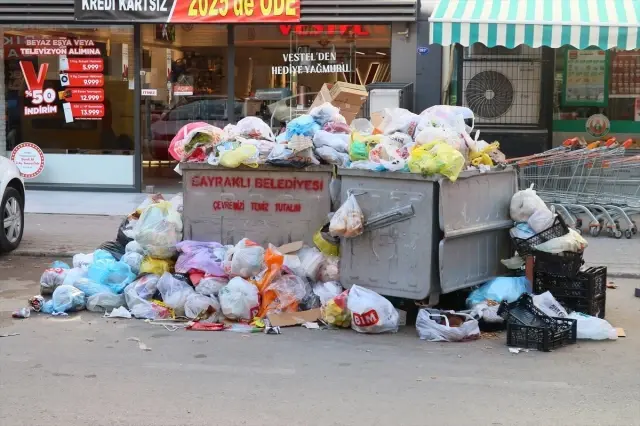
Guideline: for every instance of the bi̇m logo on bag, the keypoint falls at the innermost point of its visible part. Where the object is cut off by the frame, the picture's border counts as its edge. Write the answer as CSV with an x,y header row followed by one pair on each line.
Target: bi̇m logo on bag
x,y
366,319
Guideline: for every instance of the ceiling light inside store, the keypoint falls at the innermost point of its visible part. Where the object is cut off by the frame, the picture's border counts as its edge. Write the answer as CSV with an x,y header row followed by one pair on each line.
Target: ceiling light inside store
x,y
359,53
381,53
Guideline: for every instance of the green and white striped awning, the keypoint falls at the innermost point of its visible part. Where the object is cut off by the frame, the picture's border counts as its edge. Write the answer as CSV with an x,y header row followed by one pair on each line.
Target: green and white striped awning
x,y
554,23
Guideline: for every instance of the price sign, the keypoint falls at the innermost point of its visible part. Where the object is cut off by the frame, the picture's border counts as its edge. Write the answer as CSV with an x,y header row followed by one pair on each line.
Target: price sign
x,y
84,65
87,111
82,95
82,80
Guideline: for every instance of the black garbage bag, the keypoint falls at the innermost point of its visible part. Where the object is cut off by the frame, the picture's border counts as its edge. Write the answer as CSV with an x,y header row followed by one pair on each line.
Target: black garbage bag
x,y
122,237
114,248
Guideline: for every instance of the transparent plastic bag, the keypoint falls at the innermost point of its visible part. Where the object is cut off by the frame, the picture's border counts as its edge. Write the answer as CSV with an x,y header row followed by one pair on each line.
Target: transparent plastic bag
x,y
51,279
310,261
159,230
284,294
105,302
174,292
107,271
207,308
239,300
211,285
74,275
399,120
303,125
67,298
438,158
388,155
134,260
336,127
507,289
593,328
362,126
541,219
141,290
348,221
436,327
361,145
327,291
245,259
572,242
336,312
82,260
200,256
254,128
329,269
90,288
370,312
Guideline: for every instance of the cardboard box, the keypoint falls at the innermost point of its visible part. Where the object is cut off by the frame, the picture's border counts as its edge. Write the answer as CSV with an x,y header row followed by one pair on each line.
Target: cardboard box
x,y
349,93
286,319
324,95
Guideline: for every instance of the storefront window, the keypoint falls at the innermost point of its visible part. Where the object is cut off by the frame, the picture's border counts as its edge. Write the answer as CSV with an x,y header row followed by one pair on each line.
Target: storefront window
x,y
69,90
184,80
280,69
597,94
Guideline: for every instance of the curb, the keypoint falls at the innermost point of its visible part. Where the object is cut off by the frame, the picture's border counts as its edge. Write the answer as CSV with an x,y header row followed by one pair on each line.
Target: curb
x,y
629,275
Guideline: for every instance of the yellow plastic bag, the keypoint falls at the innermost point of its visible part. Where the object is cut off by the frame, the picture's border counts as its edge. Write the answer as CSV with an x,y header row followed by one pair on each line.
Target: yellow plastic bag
x,y
246,154
422,161
483,156
150,265
441,158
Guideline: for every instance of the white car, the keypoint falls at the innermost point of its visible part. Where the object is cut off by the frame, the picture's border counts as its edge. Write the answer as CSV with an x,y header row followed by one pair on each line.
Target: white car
x,y
11,206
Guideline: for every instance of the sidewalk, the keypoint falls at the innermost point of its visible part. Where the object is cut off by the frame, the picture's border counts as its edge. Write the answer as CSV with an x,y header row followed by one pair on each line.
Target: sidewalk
x,y
57,235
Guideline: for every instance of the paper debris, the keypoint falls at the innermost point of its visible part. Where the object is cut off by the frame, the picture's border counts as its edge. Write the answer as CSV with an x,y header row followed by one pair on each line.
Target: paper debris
x,y
621,332
9,335
311,325
612,285
517,350
120,312
141,345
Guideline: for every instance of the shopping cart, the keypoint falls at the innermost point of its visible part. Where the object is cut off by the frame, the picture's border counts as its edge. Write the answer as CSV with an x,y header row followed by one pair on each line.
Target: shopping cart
x,y
600,181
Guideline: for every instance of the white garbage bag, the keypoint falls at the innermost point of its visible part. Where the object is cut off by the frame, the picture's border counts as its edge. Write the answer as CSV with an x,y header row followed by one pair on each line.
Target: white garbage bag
x,y
541,219
332,156
174,292
572,242
51,279
245,259
593,328
105,302
134,260
337,141
82,260
524,203
436,327
254,128
239,299
549,305
370,312
325,112
209,307
310,261
327,291
133,247
210,285
399,120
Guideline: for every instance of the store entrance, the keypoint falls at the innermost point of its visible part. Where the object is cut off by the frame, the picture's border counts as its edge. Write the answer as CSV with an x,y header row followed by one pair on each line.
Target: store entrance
x,y
279,70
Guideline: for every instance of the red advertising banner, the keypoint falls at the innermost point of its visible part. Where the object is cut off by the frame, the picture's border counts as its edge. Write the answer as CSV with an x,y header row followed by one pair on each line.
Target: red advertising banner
x,y
82,64
87,111
190,11
81,80
82,95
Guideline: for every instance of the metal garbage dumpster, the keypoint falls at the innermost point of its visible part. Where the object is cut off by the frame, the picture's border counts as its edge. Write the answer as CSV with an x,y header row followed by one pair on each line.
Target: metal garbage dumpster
x,y
267,204
425,236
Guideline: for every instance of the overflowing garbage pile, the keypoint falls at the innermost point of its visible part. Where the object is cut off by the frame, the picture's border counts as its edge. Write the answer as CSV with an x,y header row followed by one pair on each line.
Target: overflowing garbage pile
x,y
436,141
564,302
150,273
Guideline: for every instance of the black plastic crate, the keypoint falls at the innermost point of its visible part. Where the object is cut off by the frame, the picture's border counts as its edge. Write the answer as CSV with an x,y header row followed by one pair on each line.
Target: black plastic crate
x,y
589,284
529,327
565,264
525,245
594,307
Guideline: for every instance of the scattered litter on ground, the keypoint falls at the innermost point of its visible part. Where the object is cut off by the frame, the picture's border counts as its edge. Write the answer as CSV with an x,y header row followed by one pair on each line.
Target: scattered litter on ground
x,y
120,312
141,345
612,285
9,335
517,350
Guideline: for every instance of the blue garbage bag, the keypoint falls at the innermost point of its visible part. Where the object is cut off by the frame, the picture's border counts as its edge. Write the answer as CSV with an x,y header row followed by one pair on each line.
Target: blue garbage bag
x,y
65,298
58,264
499,289
109,272
90,288
303,125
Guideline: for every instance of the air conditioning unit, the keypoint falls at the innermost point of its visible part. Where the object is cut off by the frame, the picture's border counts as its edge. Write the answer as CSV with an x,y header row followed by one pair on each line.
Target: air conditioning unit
x,y
502,92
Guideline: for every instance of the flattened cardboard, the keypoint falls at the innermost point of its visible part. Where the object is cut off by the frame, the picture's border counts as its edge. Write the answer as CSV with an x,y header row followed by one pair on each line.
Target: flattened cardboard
x,y
621,332
324,95
286,319
290,247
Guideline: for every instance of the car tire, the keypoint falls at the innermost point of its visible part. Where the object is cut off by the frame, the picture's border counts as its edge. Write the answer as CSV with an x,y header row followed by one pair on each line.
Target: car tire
x,y
11,209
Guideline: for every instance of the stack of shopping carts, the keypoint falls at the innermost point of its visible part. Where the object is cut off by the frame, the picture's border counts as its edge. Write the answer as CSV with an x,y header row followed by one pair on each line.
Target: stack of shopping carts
x,y
600,182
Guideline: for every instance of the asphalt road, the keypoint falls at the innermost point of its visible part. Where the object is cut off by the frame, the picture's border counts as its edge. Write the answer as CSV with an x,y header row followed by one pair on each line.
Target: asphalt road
x,y
84,370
